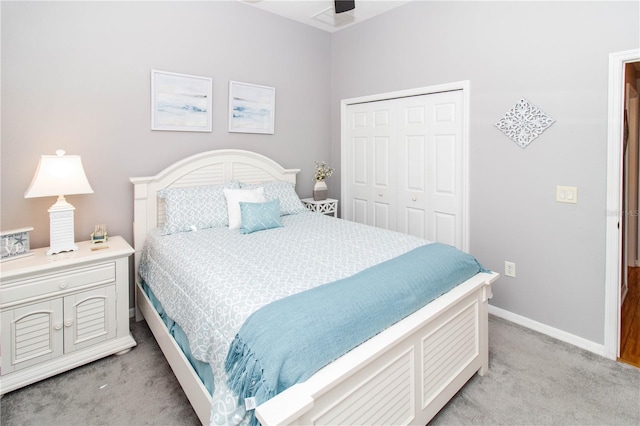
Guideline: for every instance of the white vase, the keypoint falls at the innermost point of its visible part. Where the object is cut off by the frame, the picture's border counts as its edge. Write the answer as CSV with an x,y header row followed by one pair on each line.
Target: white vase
x,y
320,190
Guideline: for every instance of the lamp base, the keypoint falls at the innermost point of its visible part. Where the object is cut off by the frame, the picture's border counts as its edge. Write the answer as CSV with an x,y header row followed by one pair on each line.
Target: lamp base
x,y
61,233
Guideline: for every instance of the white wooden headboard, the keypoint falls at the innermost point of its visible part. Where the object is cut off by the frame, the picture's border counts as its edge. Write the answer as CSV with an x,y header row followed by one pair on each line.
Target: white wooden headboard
x,y
207,168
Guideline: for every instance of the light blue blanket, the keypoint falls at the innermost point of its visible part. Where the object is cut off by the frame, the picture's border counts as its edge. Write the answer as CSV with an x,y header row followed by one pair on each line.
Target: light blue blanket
x,y
287,341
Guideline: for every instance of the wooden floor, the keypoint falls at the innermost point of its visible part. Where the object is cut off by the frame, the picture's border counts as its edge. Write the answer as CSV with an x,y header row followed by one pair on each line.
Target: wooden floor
x,y
630,321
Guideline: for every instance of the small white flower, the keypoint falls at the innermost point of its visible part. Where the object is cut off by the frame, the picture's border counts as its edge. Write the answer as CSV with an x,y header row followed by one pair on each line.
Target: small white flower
x,y
322,171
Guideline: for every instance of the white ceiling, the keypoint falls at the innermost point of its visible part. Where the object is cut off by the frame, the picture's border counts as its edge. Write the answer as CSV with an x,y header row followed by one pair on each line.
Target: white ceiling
x,y
321,14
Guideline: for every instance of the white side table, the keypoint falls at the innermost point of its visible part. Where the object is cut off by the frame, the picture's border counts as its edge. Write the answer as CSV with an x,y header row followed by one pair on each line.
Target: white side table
x,y
62,311
328,206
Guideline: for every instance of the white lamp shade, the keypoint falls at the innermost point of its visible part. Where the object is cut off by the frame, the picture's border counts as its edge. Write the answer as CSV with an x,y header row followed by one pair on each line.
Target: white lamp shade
x,y
59,175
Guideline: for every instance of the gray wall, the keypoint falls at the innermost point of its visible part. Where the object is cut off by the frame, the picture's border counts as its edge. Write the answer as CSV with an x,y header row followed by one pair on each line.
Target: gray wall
x,y
76,75
555,55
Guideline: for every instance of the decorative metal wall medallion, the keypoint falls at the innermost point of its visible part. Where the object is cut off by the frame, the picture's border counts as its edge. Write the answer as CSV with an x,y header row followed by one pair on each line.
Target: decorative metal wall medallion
x,y
524,122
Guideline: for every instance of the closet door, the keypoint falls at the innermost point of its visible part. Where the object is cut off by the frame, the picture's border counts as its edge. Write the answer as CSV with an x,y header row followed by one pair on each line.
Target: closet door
x,y
404,165
371,163
429,143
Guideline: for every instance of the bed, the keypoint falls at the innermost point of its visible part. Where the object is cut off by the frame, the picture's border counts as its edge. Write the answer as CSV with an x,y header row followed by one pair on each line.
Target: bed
x,y
403,374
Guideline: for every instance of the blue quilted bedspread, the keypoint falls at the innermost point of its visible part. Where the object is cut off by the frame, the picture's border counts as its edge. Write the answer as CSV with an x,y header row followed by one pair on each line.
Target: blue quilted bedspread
x,y
287,341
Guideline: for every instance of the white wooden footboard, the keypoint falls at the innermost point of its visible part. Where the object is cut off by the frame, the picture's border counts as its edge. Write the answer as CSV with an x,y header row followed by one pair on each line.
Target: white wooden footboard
x,y
404,375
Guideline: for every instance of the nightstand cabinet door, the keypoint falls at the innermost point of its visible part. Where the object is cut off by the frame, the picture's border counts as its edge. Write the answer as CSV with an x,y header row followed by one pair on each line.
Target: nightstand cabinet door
x,y
31,334
89,318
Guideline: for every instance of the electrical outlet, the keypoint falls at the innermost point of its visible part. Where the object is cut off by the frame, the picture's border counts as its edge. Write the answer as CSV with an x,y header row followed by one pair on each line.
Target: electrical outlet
x,y
509,269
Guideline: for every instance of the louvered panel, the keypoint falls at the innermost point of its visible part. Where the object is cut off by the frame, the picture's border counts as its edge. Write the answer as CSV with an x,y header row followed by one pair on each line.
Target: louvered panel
x,y
161,212
32,336
440,342
394,391
209,175
386,398
91,318
250,174
448,349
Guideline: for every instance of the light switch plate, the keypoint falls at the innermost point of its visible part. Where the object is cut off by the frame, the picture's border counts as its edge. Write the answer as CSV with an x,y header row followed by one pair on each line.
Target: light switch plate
x,y
567,194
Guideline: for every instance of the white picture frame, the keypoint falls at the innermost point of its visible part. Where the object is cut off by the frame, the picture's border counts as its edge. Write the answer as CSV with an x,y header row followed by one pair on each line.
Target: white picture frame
x,y
181,102
252,108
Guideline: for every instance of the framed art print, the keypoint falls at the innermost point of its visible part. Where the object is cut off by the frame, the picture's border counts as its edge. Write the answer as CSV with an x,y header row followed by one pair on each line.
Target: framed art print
x,y
14,244
252,108
180,102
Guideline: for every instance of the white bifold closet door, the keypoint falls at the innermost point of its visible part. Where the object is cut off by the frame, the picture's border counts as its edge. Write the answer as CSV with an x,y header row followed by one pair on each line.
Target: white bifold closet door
x,y
405,165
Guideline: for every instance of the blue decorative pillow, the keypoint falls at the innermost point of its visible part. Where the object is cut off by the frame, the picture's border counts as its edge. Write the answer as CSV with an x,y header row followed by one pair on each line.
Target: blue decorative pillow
x,y
196,207
260,216
284,191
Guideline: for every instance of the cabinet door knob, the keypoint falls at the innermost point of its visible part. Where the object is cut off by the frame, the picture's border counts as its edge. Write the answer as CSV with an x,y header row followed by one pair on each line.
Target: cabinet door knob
x,y
57,326
68,323
63,285
379,194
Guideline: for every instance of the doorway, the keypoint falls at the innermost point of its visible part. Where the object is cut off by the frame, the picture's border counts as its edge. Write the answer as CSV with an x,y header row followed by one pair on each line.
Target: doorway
x,y
616,271
630,287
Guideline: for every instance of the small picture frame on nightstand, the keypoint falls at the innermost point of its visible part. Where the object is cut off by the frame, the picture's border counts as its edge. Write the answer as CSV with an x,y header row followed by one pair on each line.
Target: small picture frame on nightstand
x,y
14,244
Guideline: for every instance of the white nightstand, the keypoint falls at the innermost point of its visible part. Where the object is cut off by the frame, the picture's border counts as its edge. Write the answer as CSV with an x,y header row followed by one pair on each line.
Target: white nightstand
x,y
328,206
62,311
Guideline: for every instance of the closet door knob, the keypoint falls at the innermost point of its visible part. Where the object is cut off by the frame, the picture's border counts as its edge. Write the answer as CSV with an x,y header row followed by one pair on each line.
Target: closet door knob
x,y
379,194
415,199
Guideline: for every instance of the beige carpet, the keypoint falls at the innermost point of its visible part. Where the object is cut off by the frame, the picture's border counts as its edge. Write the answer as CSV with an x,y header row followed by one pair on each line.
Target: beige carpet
x,y
533,380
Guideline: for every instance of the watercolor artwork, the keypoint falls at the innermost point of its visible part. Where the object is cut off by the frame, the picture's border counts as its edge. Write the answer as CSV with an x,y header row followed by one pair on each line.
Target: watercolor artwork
x,y
251,108
180,102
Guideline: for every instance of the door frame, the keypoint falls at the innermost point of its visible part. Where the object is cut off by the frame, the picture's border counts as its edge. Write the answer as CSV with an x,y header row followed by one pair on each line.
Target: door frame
x,y
612,296
446,87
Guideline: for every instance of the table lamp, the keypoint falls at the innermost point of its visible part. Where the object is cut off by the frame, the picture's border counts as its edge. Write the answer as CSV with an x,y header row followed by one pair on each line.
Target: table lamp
x,y
59,175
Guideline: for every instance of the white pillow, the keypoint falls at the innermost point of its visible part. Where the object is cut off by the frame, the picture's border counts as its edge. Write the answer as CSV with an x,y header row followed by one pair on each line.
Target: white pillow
x,y
235,196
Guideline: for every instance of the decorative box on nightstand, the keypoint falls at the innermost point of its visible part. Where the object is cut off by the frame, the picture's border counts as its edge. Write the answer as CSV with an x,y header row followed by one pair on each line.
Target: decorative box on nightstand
x,y
61,311
328,206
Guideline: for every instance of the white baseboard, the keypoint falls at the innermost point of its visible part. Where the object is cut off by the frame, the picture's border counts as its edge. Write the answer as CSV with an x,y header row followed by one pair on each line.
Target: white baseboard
x,y
132,312
563,336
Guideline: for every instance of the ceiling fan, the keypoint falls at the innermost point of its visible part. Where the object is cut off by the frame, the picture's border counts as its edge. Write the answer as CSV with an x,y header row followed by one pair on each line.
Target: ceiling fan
x,y
344,5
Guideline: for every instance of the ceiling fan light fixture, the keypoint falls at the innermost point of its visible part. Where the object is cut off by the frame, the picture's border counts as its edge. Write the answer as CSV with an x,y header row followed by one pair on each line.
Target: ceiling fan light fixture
x,y
344,5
